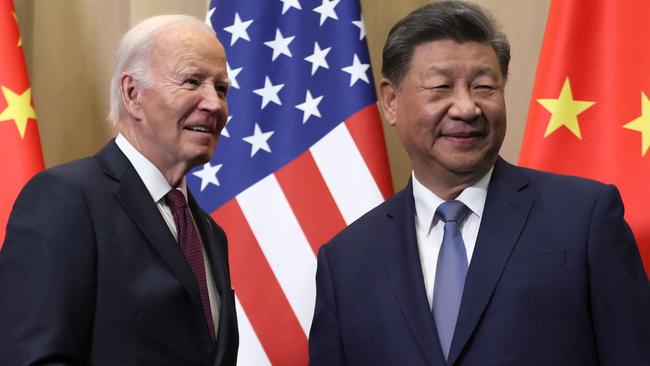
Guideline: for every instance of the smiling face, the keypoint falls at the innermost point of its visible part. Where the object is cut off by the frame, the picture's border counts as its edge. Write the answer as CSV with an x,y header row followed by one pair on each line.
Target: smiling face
x,y
179,115
449,112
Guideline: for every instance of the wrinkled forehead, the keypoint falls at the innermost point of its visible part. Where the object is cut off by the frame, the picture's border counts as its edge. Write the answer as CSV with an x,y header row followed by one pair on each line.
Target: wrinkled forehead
x,y
446,57
182,44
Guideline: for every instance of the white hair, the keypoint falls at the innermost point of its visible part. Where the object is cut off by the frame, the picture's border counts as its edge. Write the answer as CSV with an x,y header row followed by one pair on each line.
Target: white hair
x,y
134,52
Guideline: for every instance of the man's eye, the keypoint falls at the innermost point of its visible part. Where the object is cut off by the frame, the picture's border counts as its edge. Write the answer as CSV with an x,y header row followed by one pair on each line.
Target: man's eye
x,y
438,88
484,87
222,89
192,81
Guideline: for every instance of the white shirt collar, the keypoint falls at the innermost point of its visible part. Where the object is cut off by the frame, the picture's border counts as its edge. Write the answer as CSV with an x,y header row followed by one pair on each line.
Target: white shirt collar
x,y
152,178
427,202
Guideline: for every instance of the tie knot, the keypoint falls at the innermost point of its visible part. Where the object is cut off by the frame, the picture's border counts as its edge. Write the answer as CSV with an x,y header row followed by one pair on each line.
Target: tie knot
x,y
452,211
176,199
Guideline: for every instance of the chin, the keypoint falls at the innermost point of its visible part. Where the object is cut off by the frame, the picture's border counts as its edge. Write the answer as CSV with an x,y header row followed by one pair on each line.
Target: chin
x,y
200,157
204,159
470,165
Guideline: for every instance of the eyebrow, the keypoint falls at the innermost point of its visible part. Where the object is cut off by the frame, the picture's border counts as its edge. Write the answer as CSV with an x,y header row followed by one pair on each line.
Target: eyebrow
x,y
189,70
447,71
484,70
435,70
196,72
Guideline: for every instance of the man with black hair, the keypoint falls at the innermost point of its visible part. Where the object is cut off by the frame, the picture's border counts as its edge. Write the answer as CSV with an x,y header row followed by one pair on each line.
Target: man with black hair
x,y
476,261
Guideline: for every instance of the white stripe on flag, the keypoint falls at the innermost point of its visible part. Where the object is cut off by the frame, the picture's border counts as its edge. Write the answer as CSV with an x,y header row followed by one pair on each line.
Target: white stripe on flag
x,y
346,173
284,245
251,352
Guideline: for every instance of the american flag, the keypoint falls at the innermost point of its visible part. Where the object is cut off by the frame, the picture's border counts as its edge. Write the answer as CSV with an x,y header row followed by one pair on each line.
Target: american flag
x,y
302,156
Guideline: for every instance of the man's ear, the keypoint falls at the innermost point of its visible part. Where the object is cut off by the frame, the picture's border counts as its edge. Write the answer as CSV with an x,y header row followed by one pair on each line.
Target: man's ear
x,y
388,93
130,91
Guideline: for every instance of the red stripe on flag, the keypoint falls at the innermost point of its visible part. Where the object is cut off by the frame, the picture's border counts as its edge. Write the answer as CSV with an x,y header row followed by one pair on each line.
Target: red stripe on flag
x,y
278,330
310,200
367,132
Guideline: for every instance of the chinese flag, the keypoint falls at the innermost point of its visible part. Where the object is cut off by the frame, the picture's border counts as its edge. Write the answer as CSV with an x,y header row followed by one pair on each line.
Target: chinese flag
x,y
20,148
589,114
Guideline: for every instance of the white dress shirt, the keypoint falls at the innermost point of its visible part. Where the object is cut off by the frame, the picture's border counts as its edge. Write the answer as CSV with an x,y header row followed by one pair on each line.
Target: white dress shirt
x,y
429,229
158,187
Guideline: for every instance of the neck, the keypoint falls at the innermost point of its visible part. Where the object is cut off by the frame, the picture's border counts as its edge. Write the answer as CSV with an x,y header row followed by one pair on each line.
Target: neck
x,y
445,191
173,172
447,185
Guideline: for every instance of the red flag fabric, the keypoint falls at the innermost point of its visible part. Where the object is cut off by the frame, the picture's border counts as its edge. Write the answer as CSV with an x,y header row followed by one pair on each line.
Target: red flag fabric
x,y
20,147
589,114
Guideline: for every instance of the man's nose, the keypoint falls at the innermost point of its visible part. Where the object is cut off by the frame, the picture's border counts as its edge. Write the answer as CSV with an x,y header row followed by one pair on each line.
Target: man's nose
x,y
463,106
211,101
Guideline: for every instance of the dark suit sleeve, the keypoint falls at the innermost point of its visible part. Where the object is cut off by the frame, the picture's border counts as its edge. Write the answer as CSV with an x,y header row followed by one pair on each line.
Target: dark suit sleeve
x,y
325,343
47,277
620,292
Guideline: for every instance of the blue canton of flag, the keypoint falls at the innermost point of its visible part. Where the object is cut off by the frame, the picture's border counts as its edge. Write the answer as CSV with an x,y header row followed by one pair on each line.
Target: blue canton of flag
x,y
296,74
302,156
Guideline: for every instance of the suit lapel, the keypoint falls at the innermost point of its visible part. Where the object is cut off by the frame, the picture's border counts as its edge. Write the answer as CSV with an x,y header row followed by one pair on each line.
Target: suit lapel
x,y
214,253
402,261
218,258
506,210
136,201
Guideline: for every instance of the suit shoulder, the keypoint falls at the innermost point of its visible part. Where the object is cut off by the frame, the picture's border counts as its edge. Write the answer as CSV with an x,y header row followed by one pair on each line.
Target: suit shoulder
x,y
72,175
365,228
566,185
66,185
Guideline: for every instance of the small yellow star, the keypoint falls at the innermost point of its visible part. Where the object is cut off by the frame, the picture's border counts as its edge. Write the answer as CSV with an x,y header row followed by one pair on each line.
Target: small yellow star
x,y
20,39
564,110
19,108
642,124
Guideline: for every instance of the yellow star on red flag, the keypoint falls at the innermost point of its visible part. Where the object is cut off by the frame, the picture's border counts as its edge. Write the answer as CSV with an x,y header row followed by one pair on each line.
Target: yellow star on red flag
x,y
19,109
20,152
565,110
642,124
607,64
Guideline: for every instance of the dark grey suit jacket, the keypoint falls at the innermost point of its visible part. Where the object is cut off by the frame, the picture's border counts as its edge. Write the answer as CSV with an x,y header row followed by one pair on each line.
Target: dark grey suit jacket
x,y
91,275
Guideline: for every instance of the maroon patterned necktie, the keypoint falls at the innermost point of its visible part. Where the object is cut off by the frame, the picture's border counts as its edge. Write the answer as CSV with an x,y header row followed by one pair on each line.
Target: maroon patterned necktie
x,y
188,238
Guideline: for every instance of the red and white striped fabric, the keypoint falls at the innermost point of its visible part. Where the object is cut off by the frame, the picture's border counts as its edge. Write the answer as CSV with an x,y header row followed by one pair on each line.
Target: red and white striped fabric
x,y
276,226
301,157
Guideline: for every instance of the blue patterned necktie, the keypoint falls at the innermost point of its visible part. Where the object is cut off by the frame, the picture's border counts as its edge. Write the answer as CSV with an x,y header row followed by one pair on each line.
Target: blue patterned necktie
x,y
450,272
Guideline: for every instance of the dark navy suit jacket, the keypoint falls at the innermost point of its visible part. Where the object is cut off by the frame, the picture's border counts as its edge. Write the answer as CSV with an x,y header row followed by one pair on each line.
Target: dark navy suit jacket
x,y
555,279
91,275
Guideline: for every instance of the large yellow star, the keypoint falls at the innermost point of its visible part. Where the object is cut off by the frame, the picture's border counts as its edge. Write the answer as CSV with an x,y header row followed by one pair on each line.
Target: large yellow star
x,y
19,109
564,110
642,124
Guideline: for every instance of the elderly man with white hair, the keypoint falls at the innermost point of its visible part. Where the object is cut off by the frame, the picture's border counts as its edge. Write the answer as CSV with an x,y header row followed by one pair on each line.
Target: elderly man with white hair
x,y
109,260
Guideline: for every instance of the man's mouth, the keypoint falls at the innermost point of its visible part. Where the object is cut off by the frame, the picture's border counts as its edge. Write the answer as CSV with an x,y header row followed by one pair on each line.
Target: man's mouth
x,y
463,139
204,129
463,134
